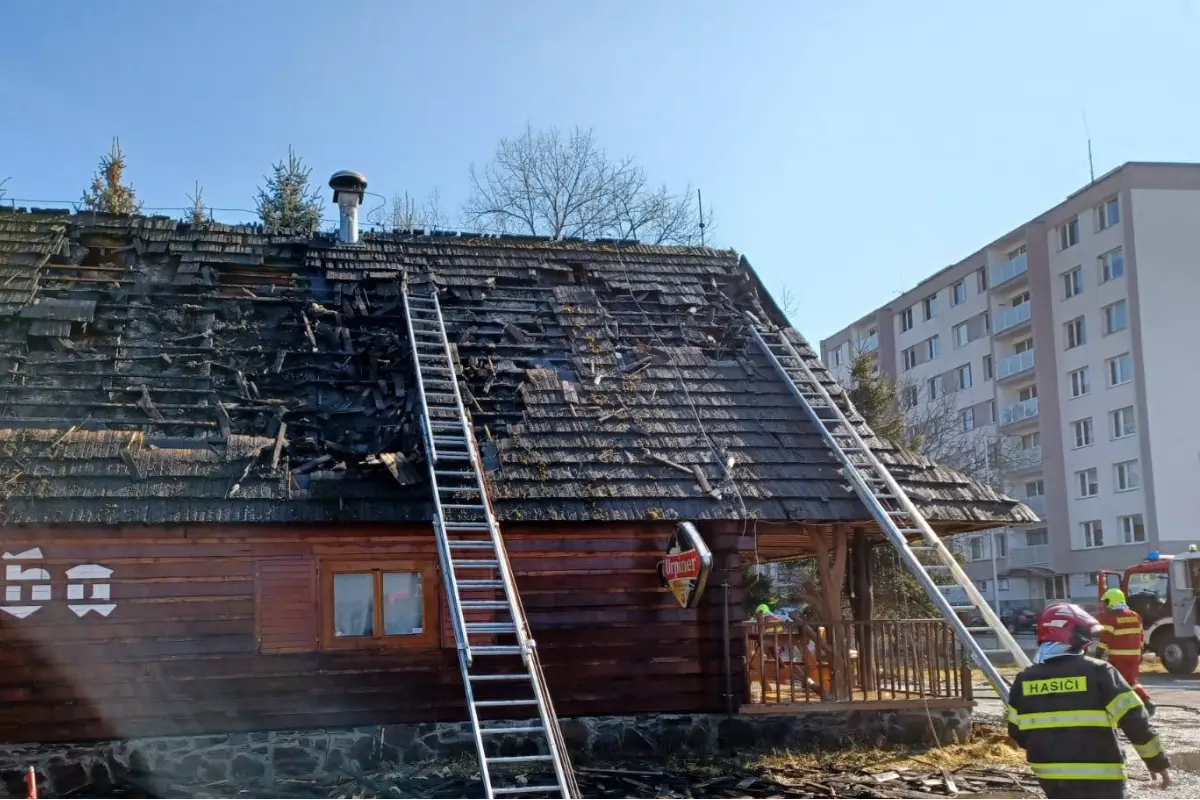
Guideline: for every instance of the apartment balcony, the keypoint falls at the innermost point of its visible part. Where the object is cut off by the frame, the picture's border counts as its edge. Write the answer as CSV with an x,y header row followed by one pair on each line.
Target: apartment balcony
x,y
1025,460
1036,504
1008,270
1019,412
1012,319
1014,364
1036,556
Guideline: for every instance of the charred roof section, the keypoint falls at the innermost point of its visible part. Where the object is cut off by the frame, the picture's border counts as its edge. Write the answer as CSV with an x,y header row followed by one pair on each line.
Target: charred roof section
x,y
160,372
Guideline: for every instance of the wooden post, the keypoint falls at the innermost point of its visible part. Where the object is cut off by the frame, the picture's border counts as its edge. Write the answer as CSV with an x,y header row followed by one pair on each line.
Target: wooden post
x,y
831,563
863,603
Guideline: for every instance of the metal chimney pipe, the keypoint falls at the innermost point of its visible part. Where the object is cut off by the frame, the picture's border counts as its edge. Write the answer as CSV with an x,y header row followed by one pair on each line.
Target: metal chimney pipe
x,y
348,188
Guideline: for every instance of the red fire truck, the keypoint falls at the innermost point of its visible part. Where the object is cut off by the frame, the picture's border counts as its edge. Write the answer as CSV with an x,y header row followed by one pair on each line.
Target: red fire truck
x,y
1165,590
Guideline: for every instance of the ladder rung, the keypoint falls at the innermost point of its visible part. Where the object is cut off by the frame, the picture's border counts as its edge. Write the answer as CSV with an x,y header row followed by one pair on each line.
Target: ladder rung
x,y
525,789
450,440
472,545
498,605
491,627
470,506
475,563
518,676
488,584
453,473
519,729
532,701
459,527
497,650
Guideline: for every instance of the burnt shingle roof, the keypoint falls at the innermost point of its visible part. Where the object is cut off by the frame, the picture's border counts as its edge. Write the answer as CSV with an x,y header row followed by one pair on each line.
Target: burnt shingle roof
x,y
160,372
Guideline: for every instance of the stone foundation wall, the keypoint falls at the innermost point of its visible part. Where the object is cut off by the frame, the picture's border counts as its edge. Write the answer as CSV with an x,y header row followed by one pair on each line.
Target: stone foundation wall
x,y
260,757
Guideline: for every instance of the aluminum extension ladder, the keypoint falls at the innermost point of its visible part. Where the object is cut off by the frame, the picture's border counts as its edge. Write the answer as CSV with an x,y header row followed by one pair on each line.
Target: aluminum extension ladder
x,y
468,540
898,518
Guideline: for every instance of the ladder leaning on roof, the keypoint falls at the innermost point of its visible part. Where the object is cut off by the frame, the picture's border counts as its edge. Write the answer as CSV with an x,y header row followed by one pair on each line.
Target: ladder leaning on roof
x,y
468,539
897,516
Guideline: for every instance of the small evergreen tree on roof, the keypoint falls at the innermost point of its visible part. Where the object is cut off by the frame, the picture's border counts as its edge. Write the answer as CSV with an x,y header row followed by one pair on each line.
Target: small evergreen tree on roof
x,y
287,201
107,193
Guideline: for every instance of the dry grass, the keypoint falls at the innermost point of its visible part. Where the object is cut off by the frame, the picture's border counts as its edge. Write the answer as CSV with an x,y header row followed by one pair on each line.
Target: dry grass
x,y
1150,665
988,745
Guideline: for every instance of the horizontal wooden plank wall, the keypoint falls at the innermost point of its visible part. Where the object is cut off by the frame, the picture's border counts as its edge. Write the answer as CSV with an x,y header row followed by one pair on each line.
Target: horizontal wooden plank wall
x,y
180,655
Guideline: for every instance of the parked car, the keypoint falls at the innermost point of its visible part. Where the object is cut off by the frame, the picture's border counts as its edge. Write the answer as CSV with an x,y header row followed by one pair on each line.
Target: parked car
x,y
1021,620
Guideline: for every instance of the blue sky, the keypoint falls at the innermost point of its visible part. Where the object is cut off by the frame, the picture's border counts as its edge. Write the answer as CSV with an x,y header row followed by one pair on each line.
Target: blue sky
x,y
848,148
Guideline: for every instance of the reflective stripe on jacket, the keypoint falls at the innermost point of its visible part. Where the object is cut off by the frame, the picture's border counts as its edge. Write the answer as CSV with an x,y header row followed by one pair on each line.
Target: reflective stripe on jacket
x,y
1065,713
1122,632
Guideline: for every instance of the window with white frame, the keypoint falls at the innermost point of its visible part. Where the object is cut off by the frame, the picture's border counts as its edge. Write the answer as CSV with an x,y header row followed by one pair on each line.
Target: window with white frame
x,y
935,387
1112,265
1093,579
929,307
1001,540
910,397
962,335
1133,531
1072,282
1027,392
1076,333
1023,345
1080,382
906,319
1093,533
1082,429
1058,587
1029,441
958,292
1115,317
983,586
1127,476
1108,214
909,358
934,346
963,377
1016,252
1122,422
1037,537
977,549
872,340
987,367
968,419
1004,584
1035,488
1088,481
1120,370
837,356
1068,234
981,279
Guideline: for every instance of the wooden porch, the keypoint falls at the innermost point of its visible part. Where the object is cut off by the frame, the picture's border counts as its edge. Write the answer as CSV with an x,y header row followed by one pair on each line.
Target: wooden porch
x,y
850,665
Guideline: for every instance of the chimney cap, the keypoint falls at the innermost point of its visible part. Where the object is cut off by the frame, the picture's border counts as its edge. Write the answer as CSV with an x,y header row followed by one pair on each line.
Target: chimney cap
x,y
349,182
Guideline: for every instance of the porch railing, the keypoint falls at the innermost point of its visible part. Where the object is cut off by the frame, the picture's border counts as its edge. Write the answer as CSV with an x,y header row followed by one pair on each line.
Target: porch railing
x,y
847,661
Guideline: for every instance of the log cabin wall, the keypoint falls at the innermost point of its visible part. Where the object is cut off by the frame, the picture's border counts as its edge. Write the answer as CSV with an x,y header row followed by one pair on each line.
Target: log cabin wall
x,y
205,630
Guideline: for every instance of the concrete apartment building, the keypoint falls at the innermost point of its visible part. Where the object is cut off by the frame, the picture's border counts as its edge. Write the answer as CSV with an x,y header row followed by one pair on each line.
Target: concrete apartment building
x,y
1071,345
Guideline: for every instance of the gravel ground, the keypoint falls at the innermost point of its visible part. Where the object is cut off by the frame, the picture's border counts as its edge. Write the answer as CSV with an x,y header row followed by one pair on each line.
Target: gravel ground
x,y
1177,722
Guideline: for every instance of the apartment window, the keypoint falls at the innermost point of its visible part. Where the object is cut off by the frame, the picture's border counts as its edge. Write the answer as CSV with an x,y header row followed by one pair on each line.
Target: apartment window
x,y
1072,282
1022,346
1031,440
964,377
1120,370
837,356
910,358
872,340
1112,265
977,553
983,586
958,292
1133,531
1108,214
968,419
987,367
1115,317
1016,252
929,307
1057,588
1035,488
1027,393
934,346
962,336
1004,584
1088,481
369,604
1122,422
935,387
1036,538
1082,428
1076,333
987,322
1093,579
1001,540
1093,533
906,320
910,397
981,279
1068,234
1080,383
1128,477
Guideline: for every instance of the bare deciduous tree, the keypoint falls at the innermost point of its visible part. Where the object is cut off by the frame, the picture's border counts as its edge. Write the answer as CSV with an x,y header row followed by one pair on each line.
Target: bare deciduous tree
x,y
3,191
547,183
404,215
788,303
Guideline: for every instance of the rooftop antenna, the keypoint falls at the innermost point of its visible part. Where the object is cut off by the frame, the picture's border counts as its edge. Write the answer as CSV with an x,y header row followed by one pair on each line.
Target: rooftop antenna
x,y
700,203
1091,165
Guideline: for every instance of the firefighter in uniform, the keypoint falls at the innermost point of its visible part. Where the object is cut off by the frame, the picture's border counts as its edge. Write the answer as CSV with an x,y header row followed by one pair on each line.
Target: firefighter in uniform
x,y
1065,708
1121,641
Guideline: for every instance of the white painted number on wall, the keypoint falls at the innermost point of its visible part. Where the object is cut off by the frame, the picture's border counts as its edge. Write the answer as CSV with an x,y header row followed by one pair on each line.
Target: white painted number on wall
x,y
27,586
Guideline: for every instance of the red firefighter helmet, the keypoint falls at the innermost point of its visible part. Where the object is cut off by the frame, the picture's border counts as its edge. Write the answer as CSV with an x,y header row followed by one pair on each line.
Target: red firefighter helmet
x,y
1067,624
